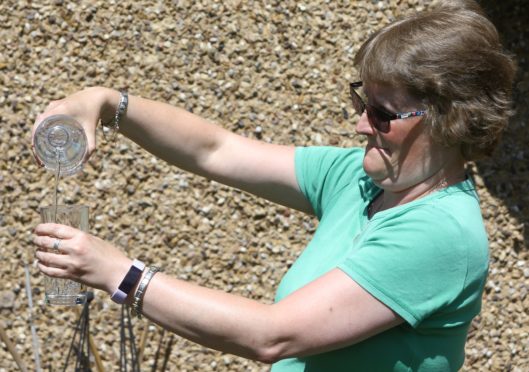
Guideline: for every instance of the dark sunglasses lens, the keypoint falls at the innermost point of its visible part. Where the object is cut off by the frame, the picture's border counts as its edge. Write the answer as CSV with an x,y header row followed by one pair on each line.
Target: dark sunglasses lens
x,y
358,105
378,119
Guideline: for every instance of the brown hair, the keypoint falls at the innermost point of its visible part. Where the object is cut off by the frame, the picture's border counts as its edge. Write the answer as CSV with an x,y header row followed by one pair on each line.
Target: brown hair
x,y
451,58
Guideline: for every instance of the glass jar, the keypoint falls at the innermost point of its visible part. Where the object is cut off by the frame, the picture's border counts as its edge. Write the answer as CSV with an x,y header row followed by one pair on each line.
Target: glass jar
x,y
60,141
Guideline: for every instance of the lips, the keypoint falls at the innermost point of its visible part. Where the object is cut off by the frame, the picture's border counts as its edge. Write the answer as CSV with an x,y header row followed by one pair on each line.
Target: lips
x,y
380,149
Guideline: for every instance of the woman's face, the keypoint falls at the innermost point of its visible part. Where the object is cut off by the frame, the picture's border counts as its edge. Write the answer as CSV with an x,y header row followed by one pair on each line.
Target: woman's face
x,y
406,156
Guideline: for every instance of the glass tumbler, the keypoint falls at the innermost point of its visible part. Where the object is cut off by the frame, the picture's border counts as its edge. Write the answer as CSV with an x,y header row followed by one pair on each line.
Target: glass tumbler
x,y
64,291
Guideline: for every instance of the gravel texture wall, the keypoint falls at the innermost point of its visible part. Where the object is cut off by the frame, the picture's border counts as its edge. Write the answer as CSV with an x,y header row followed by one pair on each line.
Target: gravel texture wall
x,y
274,70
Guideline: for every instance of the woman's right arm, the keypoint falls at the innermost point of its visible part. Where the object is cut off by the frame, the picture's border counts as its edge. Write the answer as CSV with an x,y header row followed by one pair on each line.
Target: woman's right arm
x,y
193,144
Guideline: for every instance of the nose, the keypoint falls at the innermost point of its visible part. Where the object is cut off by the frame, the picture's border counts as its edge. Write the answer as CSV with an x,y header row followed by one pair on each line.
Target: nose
x,y
363,126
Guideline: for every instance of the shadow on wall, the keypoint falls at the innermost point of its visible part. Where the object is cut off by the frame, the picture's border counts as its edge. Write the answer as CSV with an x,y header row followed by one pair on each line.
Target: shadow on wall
x,y
506,174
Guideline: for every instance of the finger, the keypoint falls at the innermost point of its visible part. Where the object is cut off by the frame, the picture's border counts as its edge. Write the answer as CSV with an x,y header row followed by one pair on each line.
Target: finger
x,y
54,272
56,230
43,242
37,160
49,111
40,118
53,104
34,128
52,260
91,146
53,108
48,243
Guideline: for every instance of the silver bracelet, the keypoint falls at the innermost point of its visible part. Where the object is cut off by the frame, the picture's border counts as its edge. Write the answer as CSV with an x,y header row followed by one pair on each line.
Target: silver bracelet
x,y
138,296
113,125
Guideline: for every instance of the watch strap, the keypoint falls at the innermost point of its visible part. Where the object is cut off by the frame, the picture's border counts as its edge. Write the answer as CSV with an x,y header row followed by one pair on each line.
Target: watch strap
x,y
130,280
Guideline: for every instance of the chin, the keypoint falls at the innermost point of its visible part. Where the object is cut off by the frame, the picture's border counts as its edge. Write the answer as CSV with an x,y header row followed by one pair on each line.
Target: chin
x,y
374,168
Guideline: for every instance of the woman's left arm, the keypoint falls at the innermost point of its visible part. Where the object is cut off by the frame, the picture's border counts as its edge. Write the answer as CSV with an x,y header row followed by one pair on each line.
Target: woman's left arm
x,y
331,312
328,313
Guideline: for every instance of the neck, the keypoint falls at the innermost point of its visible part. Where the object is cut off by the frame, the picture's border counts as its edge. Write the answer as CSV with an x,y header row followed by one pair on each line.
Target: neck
x,y
443,178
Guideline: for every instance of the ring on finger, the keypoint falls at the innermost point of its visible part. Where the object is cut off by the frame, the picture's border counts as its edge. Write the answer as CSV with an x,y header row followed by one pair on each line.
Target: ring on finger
x,y
56,244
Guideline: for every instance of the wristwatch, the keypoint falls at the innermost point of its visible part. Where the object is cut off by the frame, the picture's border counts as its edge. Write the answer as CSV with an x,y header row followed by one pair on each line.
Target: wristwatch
x,y
129,282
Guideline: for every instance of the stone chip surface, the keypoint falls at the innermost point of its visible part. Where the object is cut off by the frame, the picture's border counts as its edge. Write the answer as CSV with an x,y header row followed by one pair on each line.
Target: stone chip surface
x,y
273,70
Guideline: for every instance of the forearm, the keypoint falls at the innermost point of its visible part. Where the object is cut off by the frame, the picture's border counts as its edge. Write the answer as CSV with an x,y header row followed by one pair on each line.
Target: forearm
x,y
212,318
328,313
343,312
170,133
195,145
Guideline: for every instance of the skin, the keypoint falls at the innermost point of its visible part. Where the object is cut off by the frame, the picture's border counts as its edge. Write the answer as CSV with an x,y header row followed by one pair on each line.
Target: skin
x,y
405,162
233,324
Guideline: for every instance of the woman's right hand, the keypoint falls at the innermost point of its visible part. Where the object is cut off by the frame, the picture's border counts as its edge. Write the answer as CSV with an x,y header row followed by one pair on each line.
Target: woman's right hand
x,y
87,106
81,257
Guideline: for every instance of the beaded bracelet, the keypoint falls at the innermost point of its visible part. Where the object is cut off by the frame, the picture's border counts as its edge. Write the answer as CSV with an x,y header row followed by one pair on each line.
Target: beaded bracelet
x,y
138,296
113,125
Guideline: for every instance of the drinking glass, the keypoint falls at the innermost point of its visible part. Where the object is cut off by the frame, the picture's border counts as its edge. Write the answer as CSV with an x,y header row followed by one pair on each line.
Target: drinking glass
x,y
64,291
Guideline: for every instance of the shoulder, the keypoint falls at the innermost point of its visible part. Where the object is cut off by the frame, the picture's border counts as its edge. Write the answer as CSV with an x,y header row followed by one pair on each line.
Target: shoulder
x,y
420,260
445,236
446,222
328,165
322,172
327,157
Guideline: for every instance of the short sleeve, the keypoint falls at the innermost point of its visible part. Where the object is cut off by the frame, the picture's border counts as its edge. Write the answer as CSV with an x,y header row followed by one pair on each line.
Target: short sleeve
x,y
416,263
322,171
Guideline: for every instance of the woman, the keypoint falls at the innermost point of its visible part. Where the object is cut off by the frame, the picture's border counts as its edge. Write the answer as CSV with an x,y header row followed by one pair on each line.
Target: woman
x,y
394,274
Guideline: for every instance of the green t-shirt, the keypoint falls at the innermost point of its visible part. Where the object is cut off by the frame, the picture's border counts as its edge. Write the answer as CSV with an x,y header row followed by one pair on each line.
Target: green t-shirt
x,y
427,260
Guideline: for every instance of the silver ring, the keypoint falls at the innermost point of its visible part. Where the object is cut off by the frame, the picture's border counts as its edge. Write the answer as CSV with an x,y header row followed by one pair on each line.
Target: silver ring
x,y
56,244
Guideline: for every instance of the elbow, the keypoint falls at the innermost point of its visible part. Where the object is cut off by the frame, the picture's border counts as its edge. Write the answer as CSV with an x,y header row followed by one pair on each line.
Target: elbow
x,y
273,350
275,340
268,355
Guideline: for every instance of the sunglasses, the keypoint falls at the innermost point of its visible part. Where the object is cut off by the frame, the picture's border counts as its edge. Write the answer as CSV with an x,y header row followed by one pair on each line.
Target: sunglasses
x,y
377,117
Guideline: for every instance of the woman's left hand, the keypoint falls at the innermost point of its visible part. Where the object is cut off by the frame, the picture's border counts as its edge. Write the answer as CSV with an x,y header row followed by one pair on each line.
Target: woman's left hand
x,y
82,257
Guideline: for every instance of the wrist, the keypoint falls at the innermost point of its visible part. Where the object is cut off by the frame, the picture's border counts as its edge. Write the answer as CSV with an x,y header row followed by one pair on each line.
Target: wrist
x,y
136,302
128,282
117,273
130,298
110,102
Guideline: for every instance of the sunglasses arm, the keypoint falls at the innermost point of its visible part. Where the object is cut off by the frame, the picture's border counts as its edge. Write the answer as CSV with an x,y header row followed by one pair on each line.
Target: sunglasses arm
x,y
405,115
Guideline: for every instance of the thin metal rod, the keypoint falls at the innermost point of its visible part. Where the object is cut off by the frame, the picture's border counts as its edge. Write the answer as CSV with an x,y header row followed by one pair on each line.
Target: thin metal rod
x,y
34,337
155,364
99,364
167,352
143,340
11,348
